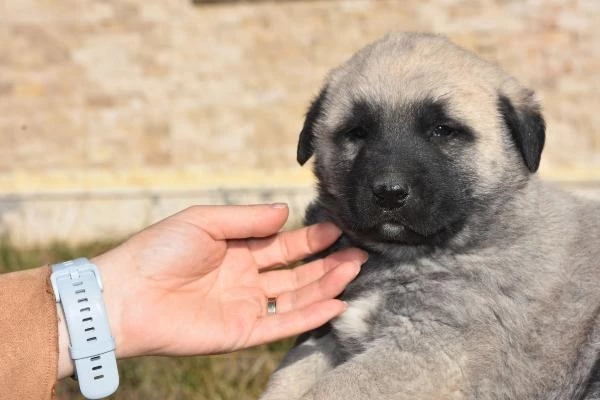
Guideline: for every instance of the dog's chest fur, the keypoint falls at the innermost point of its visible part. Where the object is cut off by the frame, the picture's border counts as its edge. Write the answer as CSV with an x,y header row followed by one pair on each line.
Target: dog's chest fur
x,y
444,294
392,297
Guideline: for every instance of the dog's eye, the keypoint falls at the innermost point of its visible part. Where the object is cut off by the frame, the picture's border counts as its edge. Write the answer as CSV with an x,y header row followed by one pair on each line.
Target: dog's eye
x,y
357,133
443,131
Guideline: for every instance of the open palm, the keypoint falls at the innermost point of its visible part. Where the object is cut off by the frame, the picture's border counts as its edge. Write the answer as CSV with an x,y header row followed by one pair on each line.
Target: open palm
x,y
198,282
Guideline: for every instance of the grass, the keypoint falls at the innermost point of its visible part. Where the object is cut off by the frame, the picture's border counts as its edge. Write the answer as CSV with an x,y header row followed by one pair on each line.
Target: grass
x,y
241,375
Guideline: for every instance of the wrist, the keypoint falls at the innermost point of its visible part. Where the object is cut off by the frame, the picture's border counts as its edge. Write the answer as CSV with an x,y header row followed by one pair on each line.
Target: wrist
x,y
113,293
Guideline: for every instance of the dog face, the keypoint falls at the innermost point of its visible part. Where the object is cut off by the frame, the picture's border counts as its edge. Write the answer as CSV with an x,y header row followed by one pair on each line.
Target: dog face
x,y
413,136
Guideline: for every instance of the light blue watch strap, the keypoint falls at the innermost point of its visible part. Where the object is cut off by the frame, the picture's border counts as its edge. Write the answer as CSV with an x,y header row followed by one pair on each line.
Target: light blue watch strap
x,y
78,288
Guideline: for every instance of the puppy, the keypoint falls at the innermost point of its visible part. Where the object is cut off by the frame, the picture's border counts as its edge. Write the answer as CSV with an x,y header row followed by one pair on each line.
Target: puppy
x,y
482,281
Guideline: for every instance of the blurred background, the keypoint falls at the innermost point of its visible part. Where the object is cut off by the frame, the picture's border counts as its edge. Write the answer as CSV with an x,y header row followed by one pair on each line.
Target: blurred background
x,y
116,113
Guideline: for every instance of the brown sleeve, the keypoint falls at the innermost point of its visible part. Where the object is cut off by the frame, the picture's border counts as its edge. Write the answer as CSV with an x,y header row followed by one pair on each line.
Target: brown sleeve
x,y
28,335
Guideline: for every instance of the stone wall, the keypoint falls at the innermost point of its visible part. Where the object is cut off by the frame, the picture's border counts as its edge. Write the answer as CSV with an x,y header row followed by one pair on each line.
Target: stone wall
x,y
167,101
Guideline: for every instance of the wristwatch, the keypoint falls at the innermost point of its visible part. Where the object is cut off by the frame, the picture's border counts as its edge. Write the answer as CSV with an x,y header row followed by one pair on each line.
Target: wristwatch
x,y
77,287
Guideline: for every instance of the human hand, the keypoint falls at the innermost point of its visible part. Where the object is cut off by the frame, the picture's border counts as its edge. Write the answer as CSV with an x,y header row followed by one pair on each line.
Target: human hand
x,y
198,281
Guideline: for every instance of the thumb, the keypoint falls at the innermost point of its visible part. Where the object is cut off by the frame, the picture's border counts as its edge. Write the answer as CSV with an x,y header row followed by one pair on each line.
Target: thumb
x,y
237,222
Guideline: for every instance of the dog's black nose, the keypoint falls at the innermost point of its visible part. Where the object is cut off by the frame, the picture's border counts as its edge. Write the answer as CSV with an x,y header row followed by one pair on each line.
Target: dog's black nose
x,y
390,193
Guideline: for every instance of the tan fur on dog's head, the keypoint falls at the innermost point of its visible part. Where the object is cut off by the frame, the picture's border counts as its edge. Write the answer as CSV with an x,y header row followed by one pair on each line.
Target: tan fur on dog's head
x,y
405,67
404,74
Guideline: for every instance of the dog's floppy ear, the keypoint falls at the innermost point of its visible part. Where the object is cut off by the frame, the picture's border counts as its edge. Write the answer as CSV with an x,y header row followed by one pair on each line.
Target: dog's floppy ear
x,y
305,143
527,128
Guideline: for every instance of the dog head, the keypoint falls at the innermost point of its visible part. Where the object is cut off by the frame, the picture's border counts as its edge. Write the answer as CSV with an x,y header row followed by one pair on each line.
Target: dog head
x,y
413,134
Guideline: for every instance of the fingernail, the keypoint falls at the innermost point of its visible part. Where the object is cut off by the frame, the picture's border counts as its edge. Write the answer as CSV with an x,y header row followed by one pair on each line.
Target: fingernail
x,y
279,205
365,257
332,226
358,268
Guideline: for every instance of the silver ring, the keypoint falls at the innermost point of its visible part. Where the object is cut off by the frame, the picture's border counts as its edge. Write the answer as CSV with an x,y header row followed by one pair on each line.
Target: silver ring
x,y
271,305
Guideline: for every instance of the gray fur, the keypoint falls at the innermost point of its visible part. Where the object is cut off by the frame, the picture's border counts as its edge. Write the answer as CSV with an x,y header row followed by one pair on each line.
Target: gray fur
x,y
493,291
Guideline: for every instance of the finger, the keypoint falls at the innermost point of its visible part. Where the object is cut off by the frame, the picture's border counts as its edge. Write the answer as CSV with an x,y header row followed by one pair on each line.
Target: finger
x,y
290,246
237,222
276,282
328,287
280,326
